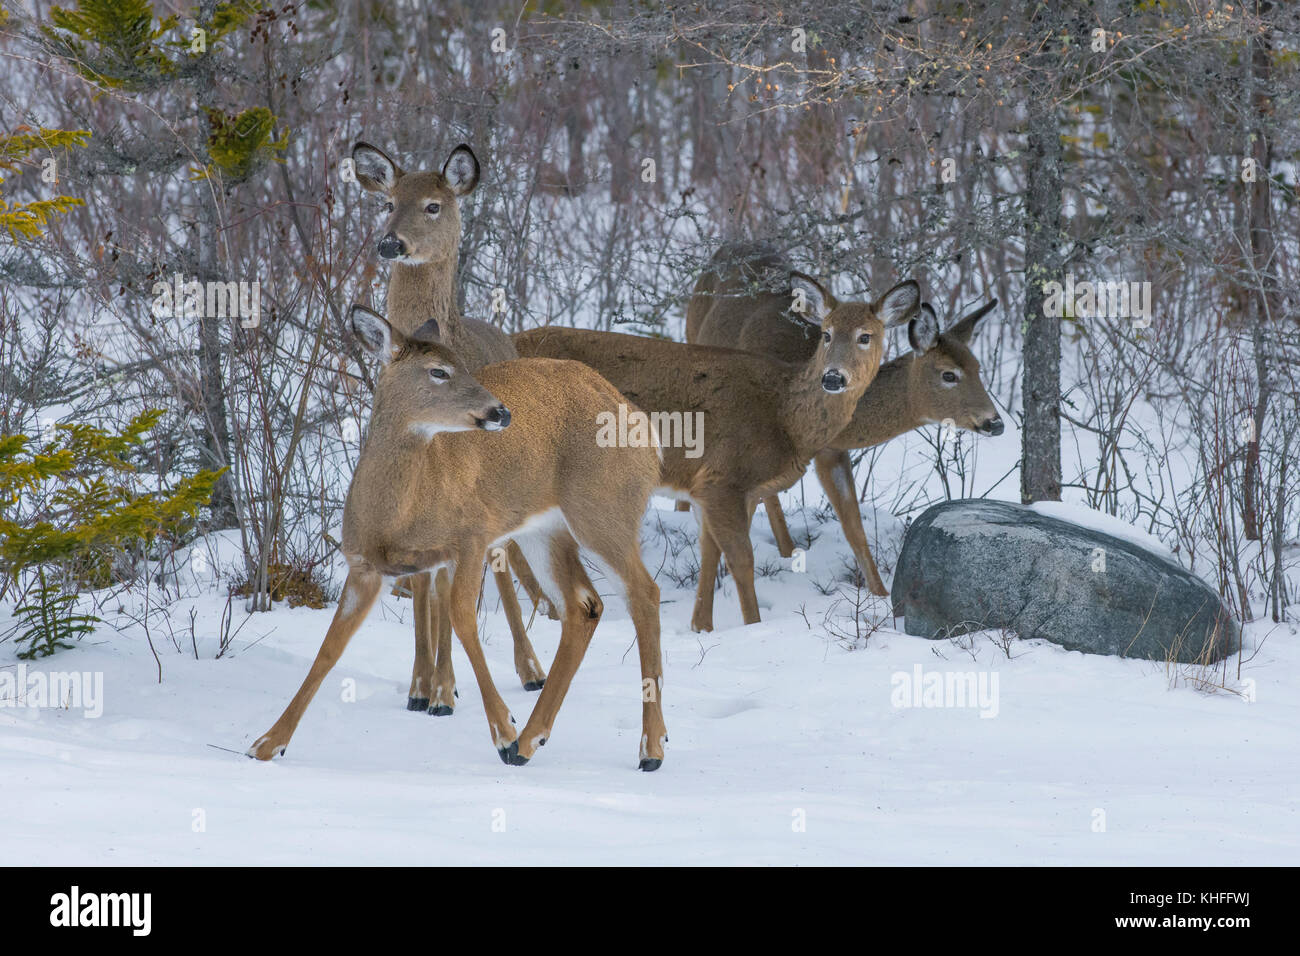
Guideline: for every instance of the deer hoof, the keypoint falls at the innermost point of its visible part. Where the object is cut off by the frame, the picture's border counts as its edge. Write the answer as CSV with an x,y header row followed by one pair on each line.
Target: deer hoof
x,y
441,710
534,684
263,749
510,755
651,764
417,703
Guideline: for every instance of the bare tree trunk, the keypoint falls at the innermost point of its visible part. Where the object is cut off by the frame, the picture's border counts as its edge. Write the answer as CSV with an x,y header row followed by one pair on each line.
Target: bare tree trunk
x,y
1263,266
216,439
1040,464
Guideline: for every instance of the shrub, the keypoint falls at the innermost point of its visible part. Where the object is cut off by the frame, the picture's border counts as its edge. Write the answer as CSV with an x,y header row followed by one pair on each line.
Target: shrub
x,y
71,506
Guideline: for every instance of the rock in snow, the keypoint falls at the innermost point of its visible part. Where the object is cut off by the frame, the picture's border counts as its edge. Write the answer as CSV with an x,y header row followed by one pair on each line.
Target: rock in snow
x,y
975,564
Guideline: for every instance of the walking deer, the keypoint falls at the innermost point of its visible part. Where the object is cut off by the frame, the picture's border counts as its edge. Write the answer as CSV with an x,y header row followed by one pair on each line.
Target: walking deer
x,y
422,240
763,418
454,462
938,381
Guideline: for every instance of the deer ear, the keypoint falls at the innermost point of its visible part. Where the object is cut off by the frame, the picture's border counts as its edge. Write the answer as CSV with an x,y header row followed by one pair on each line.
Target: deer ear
x,y
461,170
809,299
899,304
374,333
963,330
376,171
923,331
428,332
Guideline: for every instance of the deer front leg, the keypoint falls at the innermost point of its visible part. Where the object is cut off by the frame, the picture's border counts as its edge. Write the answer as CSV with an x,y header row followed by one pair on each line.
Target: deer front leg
x,y
835,472
582,610
359,593
442,702
531,673
780,531
423,670
463,598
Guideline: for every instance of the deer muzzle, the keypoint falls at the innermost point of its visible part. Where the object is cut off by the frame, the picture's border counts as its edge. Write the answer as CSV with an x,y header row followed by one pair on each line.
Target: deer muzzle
x,y
834,381
390,247
495,420
992,426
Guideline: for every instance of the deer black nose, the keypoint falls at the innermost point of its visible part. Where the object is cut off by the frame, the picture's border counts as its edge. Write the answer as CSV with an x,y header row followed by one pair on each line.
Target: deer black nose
x,y
834,381
390,247
993,426
496,419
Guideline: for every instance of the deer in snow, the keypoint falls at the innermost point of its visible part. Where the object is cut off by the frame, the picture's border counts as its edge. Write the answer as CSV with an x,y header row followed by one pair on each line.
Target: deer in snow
x,y
454,462
421,239
938,381
763,418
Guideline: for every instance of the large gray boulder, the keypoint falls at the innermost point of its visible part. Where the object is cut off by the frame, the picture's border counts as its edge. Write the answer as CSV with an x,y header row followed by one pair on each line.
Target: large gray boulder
x,y
975,564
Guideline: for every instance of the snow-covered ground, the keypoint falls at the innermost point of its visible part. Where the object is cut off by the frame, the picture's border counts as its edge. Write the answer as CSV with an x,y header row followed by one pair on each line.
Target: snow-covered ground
x,y
789,743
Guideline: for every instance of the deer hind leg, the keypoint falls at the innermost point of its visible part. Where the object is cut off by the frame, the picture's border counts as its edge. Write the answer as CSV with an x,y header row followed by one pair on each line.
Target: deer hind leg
x,y
442,700
835,472
531,673
423,670
359,593
780,531
643,606
519,564
727,521
582,610
710,555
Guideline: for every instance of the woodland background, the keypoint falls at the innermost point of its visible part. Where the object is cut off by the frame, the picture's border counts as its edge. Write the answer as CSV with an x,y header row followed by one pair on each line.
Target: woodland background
x,y
1162,150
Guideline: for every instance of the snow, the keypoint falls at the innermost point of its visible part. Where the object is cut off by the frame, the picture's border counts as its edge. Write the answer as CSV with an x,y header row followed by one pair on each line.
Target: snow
x,y
1107,524
786,745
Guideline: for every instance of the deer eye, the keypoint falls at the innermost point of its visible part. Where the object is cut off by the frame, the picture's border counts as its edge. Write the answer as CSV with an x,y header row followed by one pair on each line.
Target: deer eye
x,y
950,377
439,374
388,207
826,337
864,338
433,208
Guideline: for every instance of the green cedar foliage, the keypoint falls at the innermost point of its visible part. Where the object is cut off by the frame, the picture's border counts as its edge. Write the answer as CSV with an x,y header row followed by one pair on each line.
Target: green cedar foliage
x,y
28,220
69,506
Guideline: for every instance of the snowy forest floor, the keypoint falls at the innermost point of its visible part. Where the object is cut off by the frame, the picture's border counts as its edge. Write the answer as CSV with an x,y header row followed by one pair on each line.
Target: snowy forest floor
x,y
786,745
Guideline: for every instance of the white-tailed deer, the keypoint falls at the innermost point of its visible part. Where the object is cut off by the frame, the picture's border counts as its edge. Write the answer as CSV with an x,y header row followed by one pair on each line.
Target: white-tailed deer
x,y
422,239
454,462
937,382
763,419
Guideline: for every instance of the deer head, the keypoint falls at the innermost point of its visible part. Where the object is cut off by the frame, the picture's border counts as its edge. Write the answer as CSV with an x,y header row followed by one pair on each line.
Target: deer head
x,y
853,333
424,389
945,375
423,208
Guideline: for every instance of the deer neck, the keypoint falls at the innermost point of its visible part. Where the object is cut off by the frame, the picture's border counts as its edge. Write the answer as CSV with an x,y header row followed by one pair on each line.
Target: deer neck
x,y
886,409
417,293
810,415
394,463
